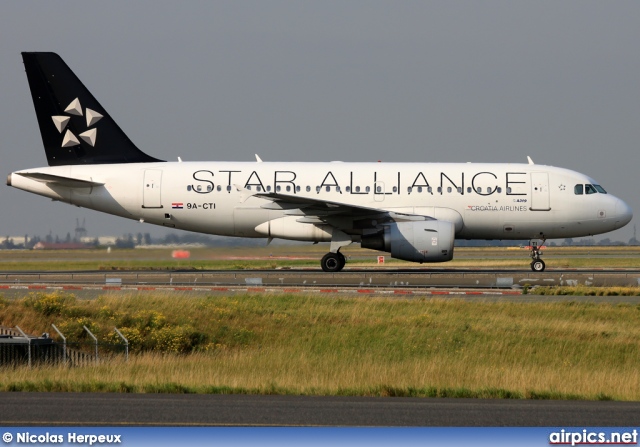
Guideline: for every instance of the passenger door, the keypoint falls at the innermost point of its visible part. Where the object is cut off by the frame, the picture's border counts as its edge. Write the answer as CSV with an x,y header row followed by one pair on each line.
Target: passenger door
x,y
540,191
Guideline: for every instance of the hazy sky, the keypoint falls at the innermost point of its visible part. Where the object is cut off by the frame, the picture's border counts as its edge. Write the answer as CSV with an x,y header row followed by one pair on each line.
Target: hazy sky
x,y
410,81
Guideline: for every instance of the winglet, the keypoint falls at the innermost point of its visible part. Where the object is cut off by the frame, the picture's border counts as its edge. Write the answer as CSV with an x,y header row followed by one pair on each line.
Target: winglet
x,y
530,160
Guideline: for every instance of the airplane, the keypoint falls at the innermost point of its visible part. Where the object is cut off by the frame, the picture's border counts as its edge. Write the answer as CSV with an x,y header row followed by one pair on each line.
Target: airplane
x,y
414,211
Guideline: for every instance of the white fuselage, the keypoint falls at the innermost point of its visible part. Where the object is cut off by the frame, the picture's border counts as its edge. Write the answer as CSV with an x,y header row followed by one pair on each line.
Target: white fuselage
x,y
484,201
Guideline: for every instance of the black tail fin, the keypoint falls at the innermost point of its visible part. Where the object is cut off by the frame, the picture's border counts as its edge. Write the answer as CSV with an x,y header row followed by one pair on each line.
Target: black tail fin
x,y
75,128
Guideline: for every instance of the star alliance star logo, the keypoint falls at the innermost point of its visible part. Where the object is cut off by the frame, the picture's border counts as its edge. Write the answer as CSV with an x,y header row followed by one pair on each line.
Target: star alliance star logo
x,y
61,121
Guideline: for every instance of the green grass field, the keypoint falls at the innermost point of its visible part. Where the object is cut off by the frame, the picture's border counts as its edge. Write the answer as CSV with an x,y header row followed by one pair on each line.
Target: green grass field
x,y
328,345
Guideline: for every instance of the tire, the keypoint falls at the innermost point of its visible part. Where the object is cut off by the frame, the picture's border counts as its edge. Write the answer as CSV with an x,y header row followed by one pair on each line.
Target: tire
x,y
343,260
332,262
537,266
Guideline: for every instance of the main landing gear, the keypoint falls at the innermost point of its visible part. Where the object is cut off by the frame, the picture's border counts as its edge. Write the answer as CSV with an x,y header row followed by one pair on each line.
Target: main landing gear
x,y
333,262
537,264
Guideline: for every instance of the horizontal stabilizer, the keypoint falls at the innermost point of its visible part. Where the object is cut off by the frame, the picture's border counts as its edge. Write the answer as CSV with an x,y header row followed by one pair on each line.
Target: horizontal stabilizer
x,y
59,180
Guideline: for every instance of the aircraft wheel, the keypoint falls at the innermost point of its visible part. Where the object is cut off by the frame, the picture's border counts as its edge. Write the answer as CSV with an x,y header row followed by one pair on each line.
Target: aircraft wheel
x,y
537,266
332,262
343,260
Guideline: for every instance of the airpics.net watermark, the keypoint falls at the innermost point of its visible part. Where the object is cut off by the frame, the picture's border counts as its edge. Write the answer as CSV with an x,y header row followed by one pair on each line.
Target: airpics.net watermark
x,y
588,437
70,438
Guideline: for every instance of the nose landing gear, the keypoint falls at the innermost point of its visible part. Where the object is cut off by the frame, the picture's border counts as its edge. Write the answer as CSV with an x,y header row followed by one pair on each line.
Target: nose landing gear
x,y
537,264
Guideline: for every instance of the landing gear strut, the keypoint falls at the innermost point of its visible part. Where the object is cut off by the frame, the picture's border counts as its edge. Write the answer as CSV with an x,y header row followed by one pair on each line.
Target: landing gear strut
x,y
333,262
537,264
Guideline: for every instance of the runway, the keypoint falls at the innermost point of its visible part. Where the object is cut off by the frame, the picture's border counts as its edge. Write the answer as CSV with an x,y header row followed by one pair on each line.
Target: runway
x,y
468,285
405,282
96,409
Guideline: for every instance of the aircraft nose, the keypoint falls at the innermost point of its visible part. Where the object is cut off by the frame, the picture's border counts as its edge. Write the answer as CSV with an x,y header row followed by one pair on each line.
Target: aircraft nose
x,y
623,212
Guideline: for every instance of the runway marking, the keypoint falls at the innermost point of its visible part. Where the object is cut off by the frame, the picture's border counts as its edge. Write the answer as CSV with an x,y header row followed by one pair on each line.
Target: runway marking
x,y
380,291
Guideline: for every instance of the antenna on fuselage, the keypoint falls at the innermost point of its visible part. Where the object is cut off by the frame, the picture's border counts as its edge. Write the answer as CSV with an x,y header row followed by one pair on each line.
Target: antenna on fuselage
x,y
530,160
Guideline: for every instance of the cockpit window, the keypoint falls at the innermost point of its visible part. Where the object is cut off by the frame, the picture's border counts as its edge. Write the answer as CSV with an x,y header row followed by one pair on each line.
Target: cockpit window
x,y
588,189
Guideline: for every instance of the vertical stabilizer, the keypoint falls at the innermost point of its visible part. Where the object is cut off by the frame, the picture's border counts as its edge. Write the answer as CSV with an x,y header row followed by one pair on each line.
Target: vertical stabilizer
x,y
75,128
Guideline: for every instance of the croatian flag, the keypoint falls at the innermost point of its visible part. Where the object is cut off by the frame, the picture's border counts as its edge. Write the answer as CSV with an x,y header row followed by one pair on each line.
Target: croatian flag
x,y
177,205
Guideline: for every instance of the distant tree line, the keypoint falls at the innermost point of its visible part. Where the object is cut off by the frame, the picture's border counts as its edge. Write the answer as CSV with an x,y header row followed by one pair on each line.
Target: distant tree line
x,y
568,242
130,240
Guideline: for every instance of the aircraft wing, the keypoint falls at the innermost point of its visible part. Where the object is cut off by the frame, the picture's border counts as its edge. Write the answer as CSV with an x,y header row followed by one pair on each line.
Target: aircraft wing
x,y
315,210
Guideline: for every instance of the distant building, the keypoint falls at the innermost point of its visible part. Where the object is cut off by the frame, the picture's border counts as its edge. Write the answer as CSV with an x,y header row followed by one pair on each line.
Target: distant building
x,y
60,246
102,240
18,240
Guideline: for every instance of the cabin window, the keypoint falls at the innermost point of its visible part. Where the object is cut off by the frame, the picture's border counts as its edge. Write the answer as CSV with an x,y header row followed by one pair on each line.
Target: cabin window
x,y
327,188
578,190
199,188
337,188
317,189
409,189
297,188
348,189
228,188
357,189
367,189
268,188
479,189
430,190
589,189
459,190
468,188
308,188
288,188
188,187
209,188
499,189
419,188
249,187
508,189
219,188
259,188
378,189
489,190
395,189
278,188
449,189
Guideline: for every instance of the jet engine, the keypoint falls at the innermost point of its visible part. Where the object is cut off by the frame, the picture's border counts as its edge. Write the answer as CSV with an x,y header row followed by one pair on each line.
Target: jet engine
x,y
422,241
